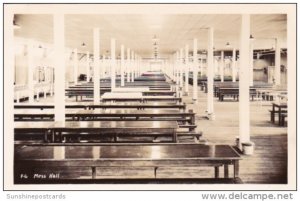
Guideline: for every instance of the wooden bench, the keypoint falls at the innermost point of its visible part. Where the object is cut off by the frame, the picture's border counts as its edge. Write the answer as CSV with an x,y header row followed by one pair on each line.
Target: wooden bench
x,y
282,118
75,130
278,108
36,163
233,92
185,119
273,113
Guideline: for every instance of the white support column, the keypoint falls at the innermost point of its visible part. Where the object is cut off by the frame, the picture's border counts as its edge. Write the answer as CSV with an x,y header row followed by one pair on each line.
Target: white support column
x,y
195,71
201,66
88,75
277,63
244,104
113,63
186,70
59,65
177,64
9,72
103,66
96,65
174,67
251,63
30,82
222,66
233,65
132,66
210,75
128,65
122,66
75,58
181,68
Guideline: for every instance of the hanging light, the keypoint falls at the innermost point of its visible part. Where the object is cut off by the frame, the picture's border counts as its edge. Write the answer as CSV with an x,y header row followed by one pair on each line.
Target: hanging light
x,y
251,37
227,44
15,25
83,45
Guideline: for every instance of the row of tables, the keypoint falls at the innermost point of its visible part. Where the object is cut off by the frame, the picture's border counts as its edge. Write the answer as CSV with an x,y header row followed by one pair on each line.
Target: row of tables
x,y
60,160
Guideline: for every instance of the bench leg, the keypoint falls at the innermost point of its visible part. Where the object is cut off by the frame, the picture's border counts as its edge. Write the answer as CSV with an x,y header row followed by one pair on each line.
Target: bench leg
x,y
272,116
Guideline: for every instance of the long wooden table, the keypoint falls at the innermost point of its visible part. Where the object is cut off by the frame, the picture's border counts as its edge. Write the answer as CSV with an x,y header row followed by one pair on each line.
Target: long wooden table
x,y
142,99
39,115
61,131
38,130
233,92
136,115
88,92
50,164
87,105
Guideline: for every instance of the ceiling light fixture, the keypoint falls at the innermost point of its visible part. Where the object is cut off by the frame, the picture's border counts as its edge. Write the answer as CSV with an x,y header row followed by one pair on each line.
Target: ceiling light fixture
x,y
15,25
83,45
227,44
251,37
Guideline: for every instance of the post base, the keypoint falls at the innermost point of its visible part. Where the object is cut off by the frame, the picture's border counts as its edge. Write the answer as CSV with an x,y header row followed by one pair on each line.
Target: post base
x,y
247,148
211,116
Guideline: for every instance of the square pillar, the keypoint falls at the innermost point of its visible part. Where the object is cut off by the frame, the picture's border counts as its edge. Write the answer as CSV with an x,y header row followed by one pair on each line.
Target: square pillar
x,y
181,68
186,70
244,103
128,66
132,66
88,75
96,65
233,65
75,60
122,66
210,75
251,63
277,64
113,63
59,67
30,62
195,72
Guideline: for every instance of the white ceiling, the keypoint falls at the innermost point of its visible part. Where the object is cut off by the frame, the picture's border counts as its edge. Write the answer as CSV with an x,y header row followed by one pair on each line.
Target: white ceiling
x,y
137,31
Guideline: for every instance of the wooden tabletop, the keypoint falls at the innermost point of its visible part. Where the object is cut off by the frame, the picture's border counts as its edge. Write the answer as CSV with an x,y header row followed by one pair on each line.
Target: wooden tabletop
x,y
33,125
135,112
280,104
92,105
125,152
115,125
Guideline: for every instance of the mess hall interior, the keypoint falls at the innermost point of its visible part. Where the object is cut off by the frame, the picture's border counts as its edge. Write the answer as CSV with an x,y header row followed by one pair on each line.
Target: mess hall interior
x,y
150,98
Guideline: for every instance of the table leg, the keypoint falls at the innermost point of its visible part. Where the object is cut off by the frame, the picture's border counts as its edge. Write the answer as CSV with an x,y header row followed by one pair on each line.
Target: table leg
x,y
175,136
279,115
236,169
226,171
93,172
216,171
155,171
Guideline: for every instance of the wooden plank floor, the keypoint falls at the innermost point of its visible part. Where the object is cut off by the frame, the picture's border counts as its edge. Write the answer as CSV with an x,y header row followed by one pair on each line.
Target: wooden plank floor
x,y
268,165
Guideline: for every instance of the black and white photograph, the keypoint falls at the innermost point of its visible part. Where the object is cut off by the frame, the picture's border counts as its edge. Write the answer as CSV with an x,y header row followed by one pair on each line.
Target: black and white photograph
x,y
149,96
